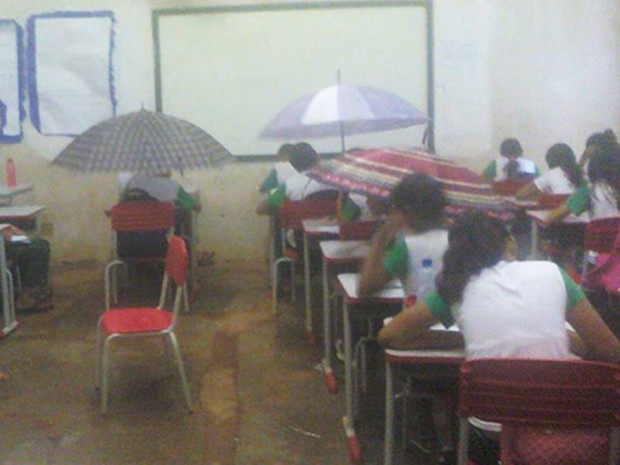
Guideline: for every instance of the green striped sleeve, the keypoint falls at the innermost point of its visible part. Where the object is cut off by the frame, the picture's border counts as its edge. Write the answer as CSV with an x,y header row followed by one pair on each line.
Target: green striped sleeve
x,y
574,292
579,202
440,309
396,260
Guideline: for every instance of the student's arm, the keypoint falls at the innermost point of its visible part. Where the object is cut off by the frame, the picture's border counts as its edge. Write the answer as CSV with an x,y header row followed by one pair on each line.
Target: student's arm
x,y
273,202
528,192
576,203
410,329
186,201
600,342
374,274
593,339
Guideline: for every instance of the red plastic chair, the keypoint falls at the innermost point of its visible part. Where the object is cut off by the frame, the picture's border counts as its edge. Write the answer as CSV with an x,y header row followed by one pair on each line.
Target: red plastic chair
x,y
292,215
147,321
552,412
358,230
600,238
137,216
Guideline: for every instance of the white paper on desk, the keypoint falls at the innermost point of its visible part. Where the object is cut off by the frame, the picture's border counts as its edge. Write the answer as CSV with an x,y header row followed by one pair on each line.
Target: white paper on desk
x,y
11,89
70,79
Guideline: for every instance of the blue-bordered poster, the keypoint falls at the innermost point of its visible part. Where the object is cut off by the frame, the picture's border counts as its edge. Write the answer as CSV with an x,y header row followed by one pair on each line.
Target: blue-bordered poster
x,y
70,78
11,82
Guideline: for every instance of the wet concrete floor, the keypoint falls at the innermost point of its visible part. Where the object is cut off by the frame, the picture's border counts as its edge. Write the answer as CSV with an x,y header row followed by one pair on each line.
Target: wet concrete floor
x,y
259,396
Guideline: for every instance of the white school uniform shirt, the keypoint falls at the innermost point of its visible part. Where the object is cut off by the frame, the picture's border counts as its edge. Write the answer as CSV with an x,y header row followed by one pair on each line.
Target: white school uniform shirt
x,y
284,170
299,186
554,181
603,202
526,302
527,167
430,244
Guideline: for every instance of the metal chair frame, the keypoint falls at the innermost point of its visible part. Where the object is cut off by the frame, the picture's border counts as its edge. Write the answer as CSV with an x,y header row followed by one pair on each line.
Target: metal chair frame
x,y
177,264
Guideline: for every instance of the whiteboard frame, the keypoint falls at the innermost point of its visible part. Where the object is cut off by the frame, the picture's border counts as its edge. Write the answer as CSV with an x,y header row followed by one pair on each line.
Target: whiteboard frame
x,y
427,5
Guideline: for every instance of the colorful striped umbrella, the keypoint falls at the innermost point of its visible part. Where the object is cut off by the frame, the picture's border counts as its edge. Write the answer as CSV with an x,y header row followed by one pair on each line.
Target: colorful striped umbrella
x,y
376,171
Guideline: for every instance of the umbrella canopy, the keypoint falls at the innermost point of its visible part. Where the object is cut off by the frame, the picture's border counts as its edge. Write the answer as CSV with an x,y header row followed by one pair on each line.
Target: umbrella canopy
x,y
341,110
143,141
375,172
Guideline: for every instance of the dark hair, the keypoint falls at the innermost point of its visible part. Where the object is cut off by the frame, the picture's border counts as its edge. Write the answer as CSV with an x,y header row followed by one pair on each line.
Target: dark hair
x,y
476,241
303,156
562,156
510,147
285,150
421,198
604,140
604,166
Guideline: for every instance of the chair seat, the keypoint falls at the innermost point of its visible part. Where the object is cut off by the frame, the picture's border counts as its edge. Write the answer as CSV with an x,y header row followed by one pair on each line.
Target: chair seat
x,y
136,320
540,446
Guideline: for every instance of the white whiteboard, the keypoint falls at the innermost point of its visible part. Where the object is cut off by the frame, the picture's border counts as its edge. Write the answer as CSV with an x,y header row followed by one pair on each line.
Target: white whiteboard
x,y
231,71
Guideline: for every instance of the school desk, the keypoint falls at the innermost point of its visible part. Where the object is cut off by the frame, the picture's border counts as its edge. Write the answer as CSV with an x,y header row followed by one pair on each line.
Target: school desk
x,y
336,255
8,310
412,360
7,194
21,213
314,229
539,220
382,304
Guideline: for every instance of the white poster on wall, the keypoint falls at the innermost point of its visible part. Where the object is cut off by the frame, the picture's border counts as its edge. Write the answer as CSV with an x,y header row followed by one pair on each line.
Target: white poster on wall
x,y
70,79
11,88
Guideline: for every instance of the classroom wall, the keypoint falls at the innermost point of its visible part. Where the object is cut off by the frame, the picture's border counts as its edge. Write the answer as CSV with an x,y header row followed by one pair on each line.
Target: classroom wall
x,y
540,70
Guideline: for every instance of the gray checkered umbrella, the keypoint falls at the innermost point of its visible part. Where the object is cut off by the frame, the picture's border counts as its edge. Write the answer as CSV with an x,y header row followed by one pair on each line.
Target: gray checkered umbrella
x,y
144,141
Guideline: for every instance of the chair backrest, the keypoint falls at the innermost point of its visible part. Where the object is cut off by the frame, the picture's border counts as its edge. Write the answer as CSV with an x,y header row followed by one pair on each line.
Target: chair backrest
x,y
601,234
551,201
509,186
529,396
358,230
553,393
177,260
142,216
293,212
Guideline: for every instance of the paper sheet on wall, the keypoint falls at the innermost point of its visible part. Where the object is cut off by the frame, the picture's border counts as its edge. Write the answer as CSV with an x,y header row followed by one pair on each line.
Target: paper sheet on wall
x,y
70,79
11,96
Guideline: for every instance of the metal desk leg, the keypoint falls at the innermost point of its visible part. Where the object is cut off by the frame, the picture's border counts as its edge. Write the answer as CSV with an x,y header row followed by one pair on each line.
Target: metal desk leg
x,y
534,247
310,337
10,322
348,421
388,443
330,379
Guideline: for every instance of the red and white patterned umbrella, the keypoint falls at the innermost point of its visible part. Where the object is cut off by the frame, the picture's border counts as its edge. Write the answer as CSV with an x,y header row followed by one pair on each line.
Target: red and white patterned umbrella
x,y
375,172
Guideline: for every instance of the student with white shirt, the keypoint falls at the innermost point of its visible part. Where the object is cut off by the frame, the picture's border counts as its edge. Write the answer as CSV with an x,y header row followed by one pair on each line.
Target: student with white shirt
x,y
601,195
281,171
414,232
511,164
563,178
503,308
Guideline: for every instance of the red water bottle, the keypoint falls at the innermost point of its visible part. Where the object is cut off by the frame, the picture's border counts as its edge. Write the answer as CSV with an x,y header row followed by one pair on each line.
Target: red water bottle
x,y
11,173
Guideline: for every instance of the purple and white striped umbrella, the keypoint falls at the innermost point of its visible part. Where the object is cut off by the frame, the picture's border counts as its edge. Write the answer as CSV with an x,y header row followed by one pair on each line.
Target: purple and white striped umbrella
x,y
342,110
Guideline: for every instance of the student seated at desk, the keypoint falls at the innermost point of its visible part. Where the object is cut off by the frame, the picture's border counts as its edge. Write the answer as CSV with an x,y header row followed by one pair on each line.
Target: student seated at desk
x,y
298,186
357,207
601,196
413,235
281,171
31,257
511,164
563,178
159,187
503,308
